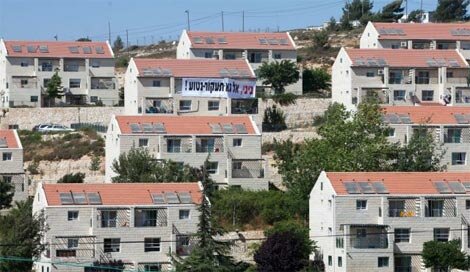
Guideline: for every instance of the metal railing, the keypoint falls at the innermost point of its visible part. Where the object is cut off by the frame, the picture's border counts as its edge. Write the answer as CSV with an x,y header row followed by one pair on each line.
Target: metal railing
x,y
372,241
247,169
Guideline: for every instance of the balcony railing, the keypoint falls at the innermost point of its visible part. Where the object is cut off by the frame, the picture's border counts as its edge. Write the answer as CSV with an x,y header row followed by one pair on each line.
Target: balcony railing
x,y
403,269
247,169
370,241
401,213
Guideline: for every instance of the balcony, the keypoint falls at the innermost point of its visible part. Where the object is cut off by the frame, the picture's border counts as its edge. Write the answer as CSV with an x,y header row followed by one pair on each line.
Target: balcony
x,y
440,208
209,144
113,218
381,95
177,145
150,218
244,106
158,106
247,169
462,96
103,84
184,245
368,237
402,208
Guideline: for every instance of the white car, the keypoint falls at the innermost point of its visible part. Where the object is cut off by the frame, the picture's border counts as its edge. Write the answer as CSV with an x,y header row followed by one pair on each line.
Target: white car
x,y
54,128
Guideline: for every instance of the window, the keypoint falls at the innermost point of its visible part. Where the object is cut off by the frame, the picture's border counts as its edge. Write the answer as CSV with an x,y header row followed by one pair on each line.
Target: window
x,y
151,244
96,64
74,83
340,242
370,74
396,208
441,234
361,233
427,95
24,64
459,158
23,83
423,77
399,95
395,77
153,267
454,135
156,83
467,205
237,142
277,56
403,263
382,262
208,55
213,167
34,98
147,218
184,214
330,261
230,56
391,132
213,105
450,74
402,235
435,208
173,145
7,156
185,105
46,66
340,261
108,219
207,145
93,99
112,245
72,215
143,142
72,243
46,82
361,204
7,179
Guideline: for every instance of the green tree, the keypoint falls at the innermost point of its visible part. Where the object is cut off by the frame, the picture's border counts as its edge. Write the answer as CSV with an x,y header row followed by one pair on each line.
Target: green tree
x,y
54,88
316,80
118,44
95,164
415,16
278,74
356,10
274,119
24,229
391,12
446,255
85,39
332,25
7,190
299,230
321,39
451,10
72,178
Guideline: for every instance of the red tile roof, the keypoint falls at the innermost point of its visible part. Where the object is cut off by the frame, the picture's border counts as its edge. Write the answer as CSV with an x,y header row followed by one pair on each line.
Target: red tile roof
x,y
184,125
10,137
195,68
58,49
122,193
429,31
398,183
406,57
241,40
429,114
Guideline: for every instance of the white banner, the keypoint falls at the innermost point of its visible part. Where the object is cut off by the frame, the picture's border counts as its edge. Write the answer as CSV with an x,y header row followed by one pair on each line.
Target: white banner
x,y
219,87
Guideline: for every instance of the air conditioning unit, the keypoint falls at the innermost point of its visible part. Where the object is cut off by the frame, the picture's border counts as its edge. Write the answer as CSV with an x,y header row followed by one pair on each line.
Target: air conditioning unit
x,y
404,44
380,72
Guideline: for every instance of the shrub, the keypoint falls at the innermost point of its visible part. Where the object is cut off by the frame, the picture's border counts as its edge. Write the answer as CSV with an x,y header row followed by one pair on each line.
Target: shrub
x,y
72,178
316,80
274,119
122,61
284,99
33,168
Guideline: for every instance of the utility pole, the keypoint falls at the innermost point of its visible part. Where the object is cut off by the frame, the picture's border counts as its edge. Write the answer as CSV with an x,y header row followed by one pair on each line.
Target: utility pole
x,y
187,13
127,41
406,9
222,21
422,12
109,32
243,21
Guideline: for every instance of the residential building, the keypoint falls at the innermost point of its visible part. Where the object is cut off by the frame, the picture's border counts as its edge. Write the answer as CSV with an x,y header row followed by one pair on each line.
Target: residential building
x,y
417,36
450,127
378,221
11,164
141,224
165,86
400,77
254,47
231,143
86,70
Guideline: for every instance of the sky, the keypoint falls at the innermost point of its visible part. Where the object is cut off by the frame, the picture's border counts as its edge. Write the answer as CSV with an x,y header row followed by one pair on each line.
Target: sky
x,y
149,21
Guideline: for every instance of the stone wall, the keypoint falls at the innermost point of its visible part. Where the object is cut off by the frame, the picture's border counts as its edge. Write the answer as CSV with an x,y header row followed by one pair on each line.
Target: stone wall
x,y
27,118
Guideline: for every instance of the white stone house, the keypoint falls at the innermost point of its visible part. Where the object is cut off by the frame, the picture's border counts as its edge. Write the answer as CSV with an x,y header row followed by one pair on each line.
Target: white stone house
x,y
140,224
232,143
155,86
86,70
378,221
254,47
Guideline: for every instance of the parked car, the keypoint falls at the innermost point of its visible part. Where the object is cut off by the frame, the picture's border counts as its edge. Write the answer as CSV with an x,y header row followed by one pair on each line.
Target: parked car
x,y
55,128
40,126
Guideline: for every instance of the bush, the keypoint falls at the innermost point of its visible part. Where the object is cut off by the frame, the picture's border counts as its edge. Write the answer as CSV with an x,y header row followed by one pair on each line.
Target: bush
x,y
33,168
122,62
316,80
284,99
274,119
267,147
72,178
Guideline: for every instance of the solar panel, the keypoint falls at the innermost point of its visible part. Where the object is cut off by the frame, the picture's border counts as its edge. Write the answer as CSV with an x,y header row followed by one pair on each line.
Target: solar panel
x,y
393,119
233,72
66,198
135,128
466,185
159,128
43,49
210,40
379,187
166,72
442,187
454,63
228,129
351,188
457,187
79,198
99,50
147,128
366,188
372,62
216,129
382,62
460,32
224,72
185,197
17,48
32,48
360,62
3,143
86,50
94,198
198,40
405,119
241,128
171,198
73,49
431,63
222,40
158,198
263,41
461,119
273,41
283,42
441,62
